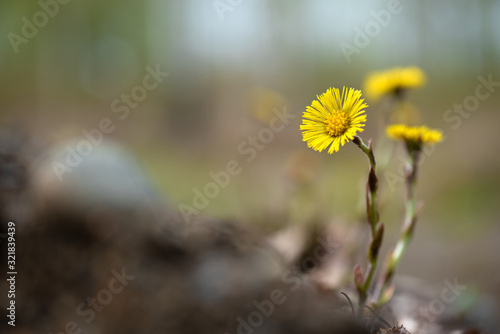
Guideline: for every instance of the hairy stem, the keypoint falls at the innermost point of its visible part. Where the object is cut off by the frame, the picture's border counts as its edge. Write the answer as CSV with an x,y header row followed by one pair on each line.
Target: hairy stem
x,y
373,217
408,225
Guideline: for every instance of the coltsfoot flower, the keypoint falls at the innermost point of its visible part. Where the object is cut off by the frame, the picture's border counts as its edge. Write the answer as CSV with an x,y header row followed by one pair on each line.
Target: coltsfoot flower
x,y
333,119
417,134
394,81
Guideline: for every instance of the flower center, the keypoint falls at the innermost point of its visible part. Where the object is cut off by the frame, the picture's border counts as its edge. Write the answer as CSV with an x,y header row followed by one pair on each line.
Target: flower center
x,y
337,123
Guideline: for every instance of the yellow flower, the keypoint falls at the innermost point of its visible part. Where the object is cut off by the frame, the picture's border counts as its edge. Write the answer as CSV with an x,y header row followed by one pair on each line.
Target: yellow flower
x,y
333,119
393,81
416,134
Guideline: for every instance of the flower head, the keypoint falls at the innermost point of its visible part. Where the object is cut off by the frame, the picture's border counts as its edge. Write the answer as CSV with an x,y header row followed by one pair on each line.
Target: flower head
x,y
394,81
333,119
414,134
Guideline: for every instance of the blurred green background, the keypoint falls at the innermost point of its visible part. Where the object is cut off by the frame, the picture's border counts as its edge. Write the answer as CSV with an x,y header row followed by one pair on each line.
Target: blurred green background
x,y
230,63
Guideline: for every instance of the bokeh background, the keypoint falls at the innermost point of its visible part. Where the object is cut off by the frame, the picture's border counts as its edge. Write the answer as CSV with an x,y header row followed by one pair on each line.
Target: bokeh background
x,y
230,65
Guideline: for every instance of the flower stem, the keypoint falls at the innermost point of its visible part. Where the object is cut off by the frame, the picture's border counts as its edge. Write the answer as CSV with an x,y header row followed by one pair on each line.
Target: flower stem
x,y
366,150
409,222
377,230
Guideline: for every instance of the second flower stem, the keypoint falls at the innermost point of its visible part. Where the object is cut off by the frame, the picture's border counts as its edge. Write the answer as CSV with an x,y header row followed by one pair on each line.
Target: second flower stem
x,y
384,292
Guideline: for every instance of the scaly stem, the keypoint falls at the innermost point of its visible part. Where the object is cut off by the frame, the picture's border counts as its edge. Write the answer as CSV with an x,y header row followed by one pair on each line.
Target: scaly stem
x,y
373,217
408,224
366,150
410,211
